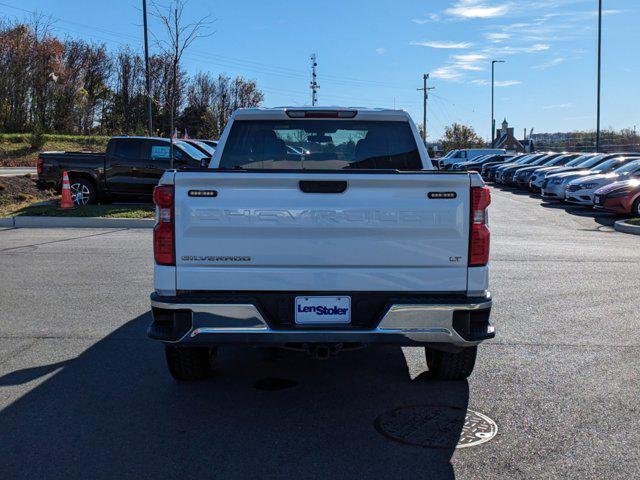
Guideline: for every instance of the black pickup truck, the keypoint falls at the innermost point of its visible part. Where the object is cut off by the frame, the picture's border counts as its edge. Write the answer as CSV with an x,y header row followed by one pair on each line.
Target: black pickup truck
x,y
131,166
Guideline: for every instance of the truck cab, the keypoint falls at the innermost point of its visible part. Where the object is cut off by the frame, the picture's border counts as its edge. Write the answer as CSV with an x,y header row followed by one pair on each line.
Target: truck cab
x,y
134,165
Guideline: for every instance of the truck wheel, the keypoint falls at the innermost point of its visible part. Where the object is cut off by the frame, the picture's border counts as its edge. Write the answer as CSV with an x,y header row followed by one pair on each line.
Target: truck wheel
x,y
83,192
451,366
189,363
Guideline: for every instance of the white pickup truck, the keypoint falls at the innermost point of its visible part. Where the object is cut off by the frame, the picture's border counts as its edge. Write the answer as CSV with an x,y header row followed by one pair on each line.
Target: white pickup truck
x,y
348,238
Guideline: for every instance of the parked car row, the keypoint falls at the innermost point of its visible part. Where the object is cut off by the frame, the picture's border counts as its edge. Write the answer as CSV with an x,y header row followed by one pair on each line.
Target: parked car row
x,y
455,157
603,181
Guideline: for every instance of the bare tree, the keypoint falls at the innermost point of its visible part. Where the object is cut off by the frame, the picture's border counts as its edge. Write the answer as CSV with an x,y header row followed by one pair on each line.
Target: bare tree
x,y
211,101
178,37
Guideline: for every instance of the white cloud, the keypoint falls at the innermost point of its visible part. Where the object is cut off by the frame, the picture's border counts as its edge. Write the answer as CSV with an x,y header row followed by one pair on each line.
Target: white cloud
x,y
469,57
381,50
476,9
459,64
497,37
502,83
469,67
538,47
508,50
557,106
442,44
469,61
431,17
507,83
551,63
448,72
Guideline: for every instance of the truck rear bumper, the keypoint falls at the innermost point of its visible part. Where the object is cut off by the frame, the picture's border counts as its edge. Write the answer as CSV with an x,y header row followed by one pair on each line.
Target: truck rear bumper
x,y
461,323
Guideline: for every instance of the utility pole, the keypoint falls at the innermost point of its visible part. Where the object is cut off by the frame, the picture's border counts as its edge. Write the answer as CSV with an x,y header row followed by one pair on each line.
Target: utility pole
x,y
599,71
314,84
425,97
493,122
146,66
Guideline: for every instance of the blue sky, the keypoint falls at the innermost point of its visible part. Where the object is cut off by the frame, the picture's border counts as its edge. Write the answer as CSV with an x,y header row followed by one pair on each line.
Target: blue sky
x,y
373,53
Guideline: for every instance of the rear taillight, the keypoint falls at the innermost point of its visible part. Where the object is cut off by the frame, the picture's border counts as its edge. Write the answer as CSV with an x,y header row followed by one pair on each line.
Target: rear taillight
x,y
39,165
163,232
479,236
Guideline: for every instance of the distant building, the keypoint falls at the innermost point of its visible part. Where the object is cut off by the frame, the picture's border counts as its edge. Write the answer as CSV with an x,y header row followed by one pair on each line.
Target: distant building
x,y
505,138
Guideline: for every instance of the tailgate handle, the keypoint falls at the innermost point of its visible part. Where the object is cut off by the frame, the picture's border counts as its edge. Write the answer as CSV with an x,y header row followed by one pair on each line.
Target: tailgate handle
x,y
322,186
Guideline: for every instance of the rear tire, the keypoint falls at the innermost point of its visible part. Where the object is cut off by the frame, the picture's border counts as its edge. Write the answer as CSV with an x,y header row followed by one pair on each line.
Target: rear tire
x,y
83,191
189,363
635,208
451,366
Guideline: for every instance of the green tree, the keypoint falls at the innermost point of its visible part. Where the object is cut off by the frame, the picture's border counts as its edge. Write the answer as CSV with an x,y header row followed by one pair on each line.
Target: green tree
x,y
460,136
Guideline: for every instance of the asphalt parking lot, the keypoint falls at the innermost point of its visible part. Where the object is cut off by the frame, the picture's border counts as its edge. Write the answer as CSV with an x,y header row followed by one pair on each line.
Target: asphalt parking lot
x,y
84,394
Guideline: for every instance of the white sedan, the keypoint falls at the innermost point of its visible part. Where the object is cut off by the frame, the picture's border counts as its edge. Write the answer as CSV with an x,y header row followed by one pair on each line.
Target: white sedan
x,y
581,190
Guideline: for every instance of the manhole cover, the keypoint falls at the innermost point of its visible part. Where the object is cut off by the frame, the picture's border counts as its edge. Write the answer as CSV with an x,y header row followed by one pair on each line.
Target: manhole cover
x,y
272,384
436,426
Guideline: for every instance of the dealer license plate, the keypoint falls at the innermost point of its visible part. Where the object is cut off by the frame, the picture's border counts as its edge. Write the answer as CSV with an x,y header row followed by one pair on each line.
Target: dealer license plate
x,y
319,310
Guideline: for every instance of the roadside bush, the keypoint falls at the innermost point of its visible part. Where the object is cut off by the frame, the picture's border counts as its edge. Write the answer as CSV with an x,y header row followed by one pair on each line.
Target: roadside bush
x,y
37,140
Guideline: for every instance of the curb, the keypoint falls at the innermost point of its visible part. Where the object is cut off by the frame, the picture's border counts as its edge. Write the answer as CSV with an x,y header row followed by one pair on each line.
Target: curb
x,y
75,222
624,227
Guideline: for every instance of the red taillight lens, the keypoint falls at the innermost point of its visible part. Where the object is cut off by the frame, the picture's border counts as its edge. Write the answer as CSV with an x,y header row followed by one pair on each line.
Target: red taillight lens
x,y
39,165
163,247
479,237
163,196
163,232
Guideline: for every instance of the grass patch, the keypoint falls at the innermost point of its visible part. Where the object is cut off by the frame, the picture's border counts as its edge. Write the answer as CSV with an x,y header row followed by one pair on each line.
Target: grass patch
x,y
103,211
16,149
20,196
634,221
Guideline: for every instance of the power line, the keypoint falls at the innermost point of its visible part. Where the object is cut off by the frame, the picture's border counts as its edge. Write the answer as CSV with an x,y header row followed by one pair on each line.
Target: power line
x,y
241,66
221,60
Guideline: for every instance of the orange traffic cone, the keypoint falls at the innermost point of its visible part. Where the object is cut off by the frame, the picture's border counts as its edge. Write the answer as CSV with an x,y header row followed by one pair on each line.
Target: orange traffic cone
x,y
67,201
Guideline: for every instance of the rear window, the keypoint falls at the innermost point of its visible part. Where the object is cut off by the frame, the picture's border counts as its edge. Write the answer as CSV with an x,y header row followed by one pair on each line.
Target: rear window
x,y
190,150
129,149
629,167
593,161
579,160
609,165
526,159
320,145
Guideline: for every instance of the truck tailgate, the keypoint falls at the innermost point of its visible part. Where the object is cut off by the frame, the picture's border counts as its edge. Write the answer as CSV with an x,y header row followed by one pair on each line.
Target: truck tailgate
x,y
262,232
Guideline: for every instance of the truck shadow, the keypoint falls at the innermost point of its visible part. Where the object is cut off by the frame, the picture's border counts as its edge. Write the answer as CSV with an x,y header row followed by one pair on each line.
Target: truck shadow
x,y
114,412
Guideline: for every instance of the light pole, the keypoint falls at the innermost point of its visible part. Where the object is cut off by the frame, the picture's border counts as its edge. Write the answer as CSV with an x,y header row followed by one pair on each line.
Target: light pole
x,y
599,69
493,122
146,66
